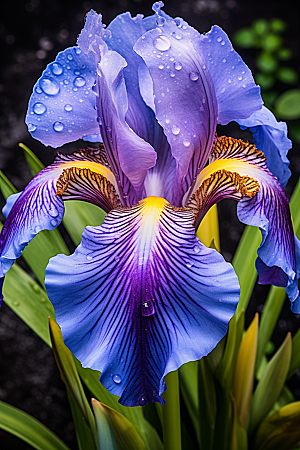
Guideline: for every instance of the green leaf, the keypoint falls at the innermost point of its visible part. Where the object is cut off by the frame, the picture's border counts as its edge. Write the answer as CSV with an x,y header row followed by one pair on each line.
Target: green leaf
x,y
29,301
271,384
278,25
271,43
30,430
239,438
122,431
34,163
285,397
207,405
287,105
260,26
295,359
244,264
287,75
244,372
265,80
6,187
85,438
223,372
68,372
245,38
188,374
134,414
280,430
266,62
285,54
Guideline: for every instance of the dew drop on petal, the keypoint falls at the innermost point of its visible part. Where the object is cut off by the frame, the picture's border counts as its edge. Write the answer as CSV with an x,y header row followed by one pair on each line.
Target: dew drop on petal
x,y
39,108
54,222
175,129
147,308
78,51
68,107
143,400
79,82
186,142
49,86
160,21
117,378
162,43
172,74
70,57
57,68
219,39
38,228
178,65
117,258
31,127
161,66
89,257
77,72
176,35
196,249
58,126
194,76
38,90
189,264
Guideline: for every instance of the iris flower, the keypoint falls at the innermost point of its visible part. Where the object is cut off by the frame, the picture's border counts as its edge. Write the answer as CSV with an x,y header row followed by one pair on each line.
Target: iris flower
x,y
142,295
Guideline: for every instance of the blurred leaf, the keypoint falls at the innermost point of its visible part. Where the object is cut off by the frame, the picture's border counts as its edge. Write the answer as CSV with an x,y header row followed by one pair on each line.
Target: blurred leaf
x,y
265,80
68,373
224,369
245,38
287,75
124,433
269,98
281,430
133,414
286,396
34,163
207,405
266,62
271,384
215,356
239,438
288,104
284,54
188,374
295,359
269,318
260,26
29,429
260,369
244,264
294,131
271,43
83,432
244,372
278,25
29,301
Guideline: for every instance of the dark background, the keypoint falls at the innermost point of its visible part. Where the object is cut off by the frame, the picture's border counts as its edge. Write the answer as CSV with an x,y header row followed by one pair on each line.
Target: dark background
x,y
32,32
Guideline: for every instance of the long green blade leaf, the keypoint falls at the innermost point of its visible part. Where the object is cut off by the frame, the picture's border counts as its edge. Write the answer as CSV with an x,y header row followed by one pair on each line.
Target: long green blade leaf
x,y
28,429
84,434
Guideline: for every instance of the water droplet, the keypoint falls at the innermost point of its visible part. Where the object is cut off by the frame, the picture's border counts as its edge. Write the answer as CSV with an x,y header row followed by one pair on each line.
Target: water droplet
x,y
99,120
219,39
172,74
78,51
38,90
147,308
178,65
161,66
196,249
117,258
79,82
70,57
176,35
77,72
224,60
57,69
160,21
186,142
53,211
49,86
38,228
68,107
108,129
54,222
194,76
58,126
240,78
89,257
31,127
117,378
175,129
66,81
39,108
143,400
223,43
35,288
229,80
15,303
162,43
189,264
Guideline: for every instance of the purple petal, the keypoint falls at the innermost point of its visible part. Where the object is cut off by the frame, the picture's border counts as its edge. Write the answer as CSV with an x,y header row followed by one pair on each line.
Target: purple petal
x,y
62,106
129,156
141,296
237,94
271,138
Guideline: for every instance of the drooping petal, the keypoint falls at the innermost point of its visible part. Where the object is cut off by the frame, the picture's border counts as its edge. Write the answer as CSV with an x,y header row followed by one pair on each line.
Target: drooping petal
x,y
237,94
271,138
238,170
184,95
129,156
141,296
40,207
62,106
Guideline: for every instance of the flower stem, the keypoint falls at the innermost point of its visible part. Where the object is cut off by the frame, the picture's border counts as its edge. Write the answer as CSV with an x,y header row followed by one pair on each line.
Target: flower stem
x,y
171,413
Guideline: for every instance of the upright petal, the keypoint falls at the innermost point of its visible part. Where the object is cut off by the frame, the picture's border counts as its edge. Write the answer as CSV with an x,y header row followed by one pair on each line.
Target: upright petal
x,y
129,156
62,106
141,296
238,170
40,207
271,138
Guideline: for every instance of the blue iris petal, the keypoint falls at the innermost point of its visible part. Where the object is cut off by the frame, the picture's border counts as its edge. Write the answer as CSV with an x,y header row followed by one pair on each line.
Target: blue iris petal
x,y
62,106
271,138
140,297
